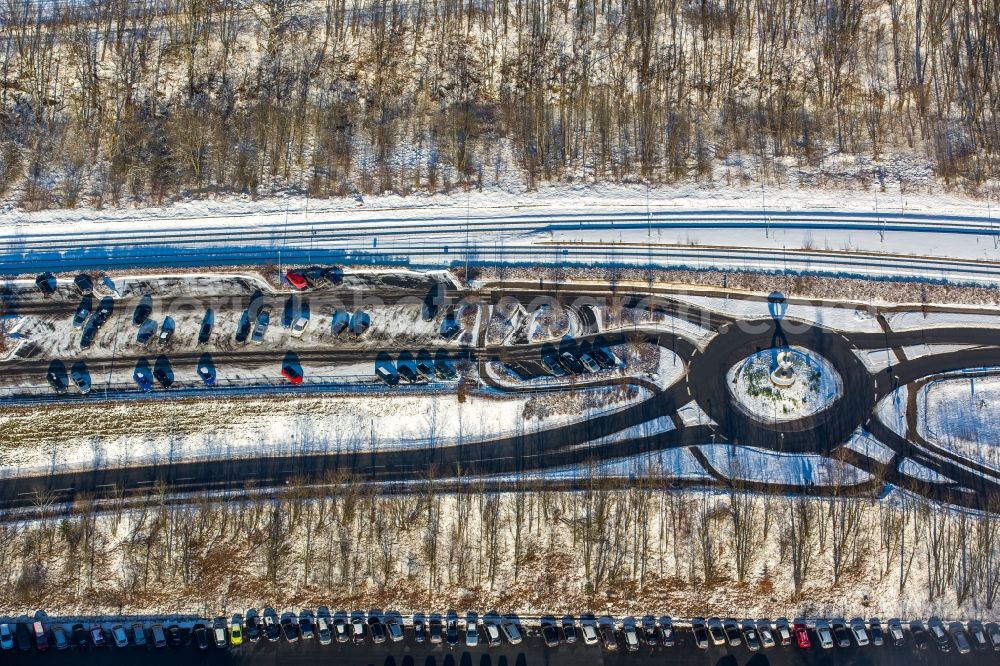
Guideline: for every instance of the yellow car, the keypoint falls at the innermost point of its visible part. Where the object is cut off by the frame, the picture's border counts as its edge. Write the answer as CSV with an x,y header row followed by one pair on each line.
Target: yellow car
x,y
236,630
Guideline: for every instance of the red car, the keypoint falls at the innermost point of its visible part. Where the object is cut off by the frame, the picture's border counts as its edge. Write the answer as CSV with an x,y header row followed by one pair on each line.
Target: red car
x,y
297,280
291,374
802,636
41,641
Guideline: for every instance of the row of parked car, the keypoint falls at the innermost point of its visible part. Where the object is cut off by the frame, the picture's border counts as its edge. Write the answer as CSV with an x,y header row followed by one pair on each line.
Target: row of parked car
x,y
422,370
838,632
493,630
568,363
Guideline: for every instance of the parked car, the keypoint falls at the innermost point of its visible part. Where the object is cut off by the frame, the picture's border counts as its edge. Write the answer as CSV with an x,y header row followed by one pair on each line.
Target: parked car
x,y
200,632
443,370
272,627
159,637
138,634
358,626
588,629
324,632
732,632
252,626
896,632
716,631
146,332
289,627
938,633
314,277
750,637
552,366
56,381
143,310
22,634
236,629
491,632
143,380
699,632
426,368
299,326
97,638
606,626
665,631
567,627
960,638
175,638
471,629
993,633
59,639
572,365
360,322
376,629
630,634
824,634
589,363
306,624
340,321
875,630
648,634
207,323
858,632
782,631
550,635
291,373
243,328
407,373
260,328
840,633
80,317
89,333
38,633
977,635
510,631
84,284
451,628
79,377
435,628
802,635
605,358
6,637
419,628
764,633
206,374
921,637
297,280
119,635
46,283
164,376
167,330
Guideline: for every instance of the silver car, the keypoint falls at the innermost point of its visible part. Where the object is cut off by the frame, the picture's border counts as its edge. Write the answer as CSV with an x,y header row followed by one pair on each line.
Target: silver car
x,y
260,328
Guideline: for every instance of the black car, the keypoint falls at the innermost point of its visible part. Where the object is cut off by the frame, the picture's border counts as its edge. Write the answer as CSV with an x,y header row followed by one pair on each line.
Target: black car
x,y
306,624
426,368
648,633
552,366
443,370
840,633
334,275
700,634
289,627
604,358
316,277
79,635
407,373
46,283
569,629
201,636
243,330
435,628
549,633
252,625
572,365
174,636
376,629
938,633
165,378
142,311
84,284
432,302
272,630
451,628
666,631
920,636
56,382
205,332
104,311
146,332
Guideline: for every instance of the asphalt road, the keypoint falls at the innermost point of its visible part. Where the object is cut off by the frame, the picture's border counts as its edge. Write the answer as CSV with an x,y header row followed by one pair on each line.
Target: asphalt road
x,y
531,652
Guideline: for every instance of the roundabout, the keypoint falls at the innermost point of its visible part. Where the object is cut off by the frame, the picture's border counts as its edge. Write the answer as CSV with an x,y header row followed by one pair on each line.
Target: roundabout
x,y
812,413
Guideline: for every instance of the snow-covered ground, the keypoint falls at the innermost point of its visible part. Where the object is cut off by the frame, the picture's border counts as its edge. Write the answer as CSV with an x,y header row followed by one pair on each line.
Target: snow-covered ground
x,y
76,436
863,443
844,317
963,415
909,321
747,463
816,385
891,410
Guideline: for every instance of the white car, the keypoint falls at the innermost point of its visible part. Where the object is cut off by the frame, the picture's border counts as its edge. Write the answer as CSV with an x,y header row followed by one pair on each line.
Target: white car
x,y
764,631
824,634
589,363
589,632
858,631
299,326
121,638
